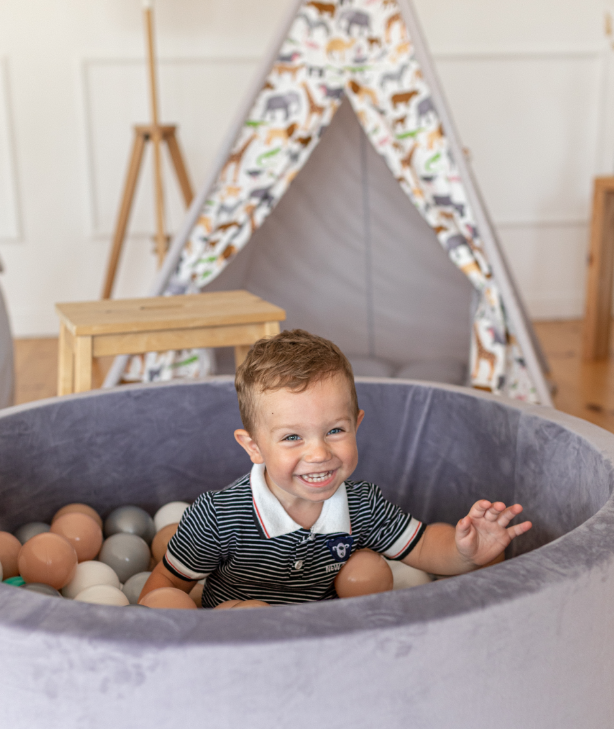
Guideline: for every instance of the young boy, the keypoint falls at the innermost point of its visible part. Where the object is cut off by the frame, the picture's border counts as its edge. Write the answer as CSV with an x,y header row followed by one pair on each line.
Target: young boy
x,y
281,533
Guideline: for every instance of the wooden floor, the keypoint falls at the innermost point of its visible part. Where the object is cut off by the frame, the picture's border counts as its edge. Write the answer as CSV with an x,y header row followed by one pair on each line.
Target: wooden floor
x,y
583,389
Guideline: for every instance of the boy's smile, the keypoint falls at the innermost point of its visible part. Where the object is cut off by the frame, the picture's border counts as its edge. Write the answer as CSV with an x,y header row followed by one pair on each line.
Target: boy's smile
x,y
307,440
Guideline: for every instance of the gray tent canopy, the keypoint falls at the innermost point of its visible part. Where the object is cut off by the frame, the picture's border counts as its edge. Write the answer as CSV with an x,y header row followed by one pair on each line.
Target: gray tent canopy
x,y
343,196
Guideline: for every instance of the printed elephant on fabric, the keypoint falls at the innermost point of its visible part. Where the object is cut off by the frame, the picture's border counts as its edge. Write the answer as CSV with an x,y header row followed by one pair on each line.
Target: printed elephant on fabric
x,y
356,18
283,102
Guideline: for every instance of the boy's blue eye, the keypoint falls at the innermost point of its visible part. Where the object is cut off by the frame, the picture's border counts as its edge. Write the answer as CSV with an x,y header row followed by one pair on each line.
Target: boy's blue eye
x,y
334,431
292,437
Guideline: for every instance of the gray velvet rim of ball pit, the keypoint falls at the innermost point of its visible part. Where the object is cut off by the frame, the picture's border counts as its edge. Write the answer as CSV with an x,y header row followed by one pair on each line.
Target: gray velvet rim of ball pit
x,y
539,620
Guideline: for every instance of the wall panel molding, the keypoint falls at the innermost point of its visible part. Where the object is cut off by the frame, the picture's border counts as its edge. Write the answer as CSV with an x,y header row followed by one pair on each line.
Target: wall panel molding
x,y
10,208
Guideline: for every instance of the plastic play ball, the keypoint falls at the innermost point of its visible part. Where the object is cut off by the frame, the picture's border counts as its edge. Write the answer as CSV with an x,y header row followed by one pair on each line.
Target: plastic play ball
x,y
168,597
169,514
79,509
130,520
246,604
0,571
89,574
196,593
41,589
228,605
82,532
365,573
16,581
132,588
27,531
9,549
405,576
48,558
161,540
127,554
103,595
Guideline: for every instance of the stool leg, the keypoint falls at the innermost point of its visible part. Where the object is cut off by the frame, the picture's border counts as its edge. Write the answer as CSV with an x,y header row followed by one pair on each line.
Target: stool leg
x,y
241,351
83,364
65,361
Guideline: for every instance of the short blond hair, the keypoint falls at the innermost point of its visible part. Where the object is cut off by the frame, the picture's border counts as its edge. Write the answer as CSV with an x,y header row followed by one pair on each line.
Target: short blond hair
x,y
292,359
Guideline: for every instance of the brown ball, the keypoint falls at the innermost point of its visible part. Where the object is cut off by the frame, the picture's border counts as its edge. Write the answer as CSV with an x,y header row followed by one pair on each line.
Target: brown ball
x,y
196,593
227,605
168,597
365,573
79,509
9,549
161,540
250,604
81,531
48,558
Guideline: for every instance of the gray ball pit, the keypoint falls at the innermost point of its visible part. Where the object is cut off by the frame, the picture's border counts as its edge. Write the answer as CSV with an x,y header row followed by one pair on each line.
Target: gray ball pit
x,y
526,643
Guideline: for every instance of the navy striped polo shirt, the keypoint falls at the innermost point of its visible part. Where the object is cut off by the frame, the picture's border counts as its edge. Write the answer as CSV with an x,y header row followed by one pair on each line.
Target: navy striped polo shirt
x,y
248,547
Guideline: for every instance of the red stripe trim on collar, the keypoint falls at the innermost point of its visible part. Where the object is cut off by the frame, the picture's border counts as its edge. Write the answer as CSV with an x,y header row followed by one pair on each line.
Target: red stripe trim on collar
x,y
264,529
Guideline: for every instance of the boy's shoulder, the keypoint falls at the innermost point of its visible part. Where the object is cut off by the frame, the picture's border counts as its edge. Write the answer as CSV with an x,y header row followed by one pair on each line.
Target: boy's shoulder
x,y
235,492
360,490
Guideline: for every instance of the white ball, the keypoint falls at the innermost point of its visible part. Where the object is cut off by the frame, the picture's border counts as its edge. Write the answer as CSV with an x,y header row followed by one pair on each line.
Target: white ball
x,y
103,595
169,514
88,574
405,576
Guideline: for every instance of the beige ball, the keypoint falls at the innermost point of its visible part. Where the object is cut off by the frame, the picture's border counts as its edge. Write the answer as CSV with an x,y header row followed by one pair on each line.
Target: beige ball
x,y
169,514
103,595
89,574
405,576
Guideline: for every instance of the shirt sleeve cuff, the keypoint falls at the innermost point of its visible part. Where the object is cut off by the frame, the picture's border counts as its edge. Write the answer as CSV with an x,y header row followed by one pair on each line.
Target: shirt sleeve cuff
x,y
178,569
407,540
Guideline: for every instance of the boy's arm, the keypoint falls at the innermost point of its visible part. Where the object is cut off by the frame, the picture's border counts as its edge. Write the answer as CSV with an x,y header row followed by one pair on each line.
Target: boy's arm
x,y
161,577
477,539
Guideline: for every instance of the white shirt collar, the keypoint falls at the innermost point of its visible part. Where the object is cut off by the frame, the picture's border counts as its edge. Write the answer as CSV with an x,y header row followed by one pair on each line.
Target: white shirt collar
x,y
275,520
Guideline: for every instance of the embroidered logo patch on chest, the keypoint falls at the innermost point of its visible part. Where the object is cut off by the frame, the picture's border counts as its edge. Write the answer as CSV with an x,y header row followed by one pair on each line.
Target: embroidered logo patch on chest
x,y
340,548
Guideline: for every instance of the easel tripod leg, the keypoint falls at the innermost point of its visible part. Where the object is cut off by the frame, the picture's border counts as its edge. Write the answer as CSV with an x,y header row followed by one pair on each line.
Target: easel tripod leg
x,y
124,212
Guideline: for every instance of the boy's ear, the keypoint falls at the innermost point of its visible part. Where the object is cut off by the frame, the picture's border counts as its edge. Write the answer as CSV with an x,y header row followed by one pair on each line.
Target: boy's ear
x,y
359,417
245,440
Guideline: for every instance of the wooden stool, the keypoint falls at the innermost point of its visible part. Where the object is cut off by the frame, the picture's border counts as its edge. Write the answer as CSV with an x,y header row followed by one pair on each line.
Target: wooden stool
x,y
91,329
600,269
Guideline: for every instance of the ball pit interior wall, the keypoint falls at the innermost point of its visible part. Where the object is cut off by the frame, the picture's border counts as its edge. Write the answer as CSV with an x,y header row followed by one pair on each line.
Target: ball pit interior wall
x,y
528,641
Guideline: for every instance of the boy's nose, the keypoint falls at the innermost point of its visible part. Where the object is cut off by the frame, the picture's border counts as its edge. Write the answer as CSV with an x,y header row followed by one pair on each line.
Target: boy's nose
x,y
318,452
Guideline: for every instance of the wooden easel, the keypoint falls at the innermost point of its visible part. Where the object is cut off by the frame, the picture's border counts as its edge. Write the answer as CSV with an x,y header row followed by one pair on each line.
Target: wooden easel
x,y
596,342
156,133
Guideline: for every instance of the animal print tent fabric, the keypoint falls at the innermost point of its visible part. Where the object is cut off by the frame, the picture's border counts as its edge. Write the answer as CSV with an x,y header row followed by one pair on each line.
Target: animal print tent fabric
x,y
362,50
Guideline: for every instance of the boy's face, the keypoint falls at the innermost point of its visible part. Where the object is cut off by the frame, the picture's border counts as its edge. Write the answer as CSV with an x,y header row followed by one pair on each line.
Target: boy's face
x,y
306,439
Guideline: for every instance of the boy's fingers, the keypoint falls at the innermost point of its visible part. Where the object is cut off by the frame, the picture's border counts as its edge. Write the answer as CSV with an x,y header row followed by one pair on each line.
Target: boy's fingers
x,y
464,526
480,508
518,529
509,513
495,511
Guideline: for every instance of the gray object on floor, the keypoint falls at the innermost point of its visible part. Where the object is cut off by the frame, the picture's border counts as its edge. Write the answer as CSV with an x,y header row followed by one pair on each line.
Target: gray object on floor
x,y
7,367
527,641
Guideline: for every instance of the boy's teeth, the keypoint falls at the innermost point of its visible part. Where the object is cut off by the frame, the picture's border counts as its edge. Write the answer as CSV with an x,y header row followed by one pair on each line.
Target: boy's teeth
x,y
315,477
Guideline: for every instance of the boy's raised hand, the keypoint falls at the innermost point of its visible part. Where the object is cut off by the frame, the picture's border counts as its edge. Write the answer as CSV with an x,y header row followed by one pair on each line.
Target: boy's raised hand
x,y
484,533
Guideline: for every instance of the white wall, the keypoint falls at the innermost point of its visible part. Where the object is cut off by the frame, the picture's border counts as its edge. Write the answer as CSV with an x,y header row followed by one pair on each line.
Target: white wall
x,y
529,83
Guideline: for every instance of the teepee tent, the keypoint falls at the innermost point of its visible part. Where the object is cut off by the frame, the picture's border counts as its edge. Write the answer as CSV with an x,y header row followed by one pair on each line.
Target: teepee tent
x,y
343,196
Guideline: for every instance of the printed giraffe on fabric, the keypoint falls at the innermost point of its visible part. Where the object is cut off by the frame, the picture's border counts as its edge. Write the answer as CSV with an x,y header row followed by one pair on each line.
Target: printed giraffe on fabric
x,y
359,49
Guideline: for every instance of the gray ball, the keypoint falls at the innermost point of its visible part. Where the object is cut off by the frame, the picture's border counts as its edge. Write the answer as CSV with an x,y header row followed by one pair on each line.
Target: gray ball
x,y
130,520
132,588
127,554
27,531
41,588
